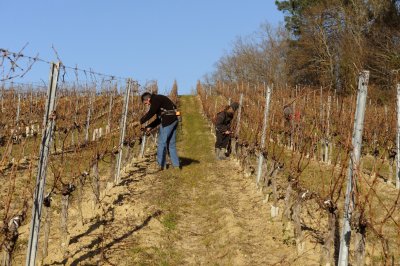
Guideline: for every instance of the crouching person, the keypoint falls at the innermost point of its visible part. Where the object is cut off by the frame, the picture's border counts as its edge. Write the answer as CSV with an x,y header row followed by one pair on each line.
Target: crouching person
x,y
223,130
165,110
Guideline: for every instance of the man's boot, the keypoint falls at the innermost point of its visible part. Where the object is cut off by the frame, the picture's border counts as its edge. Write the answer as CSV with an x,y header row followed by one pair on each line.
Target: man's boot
x,y
220,154
225,153
217,153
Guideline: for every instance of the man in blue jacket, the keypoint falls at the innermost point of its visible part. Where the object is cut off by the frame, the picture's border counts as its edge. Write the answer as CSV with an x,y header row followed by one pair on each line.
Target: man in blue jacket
x,y
165,110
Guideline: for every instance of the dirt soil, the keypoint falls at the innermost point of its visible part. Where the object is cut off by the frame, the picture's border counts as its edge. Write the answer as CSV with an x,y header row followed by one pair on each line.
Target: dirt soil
x,y
208,213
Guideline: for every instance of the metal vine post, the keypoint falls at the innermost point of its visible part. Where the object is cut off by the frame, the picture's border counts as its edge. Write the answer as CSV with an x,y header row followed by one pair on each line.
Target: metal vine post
x,y
353,168
47,136
117,178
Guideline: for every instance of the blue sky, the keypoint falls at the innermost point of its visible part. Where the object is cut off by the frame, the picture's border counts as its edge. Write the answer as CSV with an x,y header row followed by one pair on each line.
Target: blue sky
x,y
145,40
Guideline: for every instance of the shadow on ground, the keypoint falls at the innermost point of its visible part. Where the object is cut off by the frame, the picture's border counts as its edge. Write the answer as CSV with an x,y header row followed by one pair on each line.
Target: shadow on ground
x,y
116,240
188,161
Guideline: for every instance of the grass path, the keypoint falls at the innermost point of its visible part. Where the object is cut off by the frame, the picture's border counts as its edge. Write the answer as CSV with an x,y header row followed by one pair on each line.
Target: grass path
x,y
212,214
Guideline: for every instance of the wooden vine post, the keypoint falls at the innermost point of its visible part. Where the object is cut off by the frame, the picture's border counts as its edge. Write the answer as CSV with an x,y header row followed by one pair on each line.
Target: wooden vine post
x,y
18,109
89,113
239,115
108,127
264,131
398,139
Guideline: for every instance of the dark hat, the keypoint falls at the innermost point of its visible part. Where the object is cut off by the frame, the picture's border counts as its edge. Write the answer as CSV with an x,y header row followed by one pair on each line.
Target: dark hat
x,y
145,96
234,106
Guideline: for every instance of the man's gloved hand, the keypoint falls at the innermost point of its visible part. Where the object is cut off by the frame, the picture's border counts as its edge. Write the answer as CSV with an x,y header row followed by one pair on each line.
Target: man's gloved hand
x,y
146,130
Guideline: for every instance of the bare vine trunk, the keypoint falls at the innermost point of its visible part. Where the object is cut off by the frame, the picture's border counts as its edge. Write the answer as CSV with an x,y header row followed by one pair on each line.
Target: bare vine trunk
x,y
286,217
274,206
113,158
47,226
130,151
327,256
390,178
298,232
81,182
95,183
64,222
11,235
360,237
66,192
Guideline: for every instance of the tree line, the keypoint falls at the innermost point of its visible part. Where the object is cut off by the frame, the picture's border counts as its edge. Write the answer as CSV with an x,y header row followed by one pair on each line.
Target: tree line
x,y
323,43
